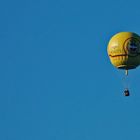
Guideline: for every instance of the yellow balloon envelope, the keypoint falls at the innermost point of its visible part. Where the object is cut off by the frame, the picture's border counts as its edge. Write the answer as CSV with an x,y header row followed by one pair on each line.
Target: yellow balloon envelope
x,y
124,50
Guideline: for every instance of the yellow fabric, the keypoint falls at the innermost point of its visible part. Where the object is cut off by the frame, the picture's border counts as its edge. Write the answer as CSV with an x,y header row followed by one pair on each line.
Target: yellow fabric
x,y
124,50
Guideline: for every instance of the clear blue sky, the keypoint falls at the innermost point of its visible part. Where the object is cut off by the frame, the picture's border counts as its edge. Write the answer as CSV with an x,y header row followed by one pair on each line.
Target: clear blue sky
x,y
56,81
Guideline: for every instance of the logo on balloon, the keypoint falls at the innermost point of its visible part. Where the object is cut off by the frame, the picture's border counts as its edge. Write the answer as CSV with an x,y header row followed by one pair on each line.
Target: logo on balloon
x,y
131,46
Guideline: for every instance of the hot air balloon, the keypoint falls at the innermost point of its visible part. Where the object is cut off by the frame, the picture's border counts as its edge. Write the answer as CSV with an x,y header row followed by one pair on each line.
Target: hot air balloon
x,y
124,52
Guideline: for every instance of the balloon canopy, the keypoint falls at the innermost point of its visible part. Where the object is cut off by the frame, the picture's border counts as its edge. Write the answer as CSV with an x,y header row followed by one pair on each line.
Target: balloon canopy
x,y
124,50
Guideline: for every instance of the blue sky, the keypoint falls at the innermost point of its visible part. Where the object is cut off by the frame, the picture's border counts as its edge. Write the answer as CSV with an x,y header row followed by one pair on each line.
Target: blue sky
x,y
56,81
